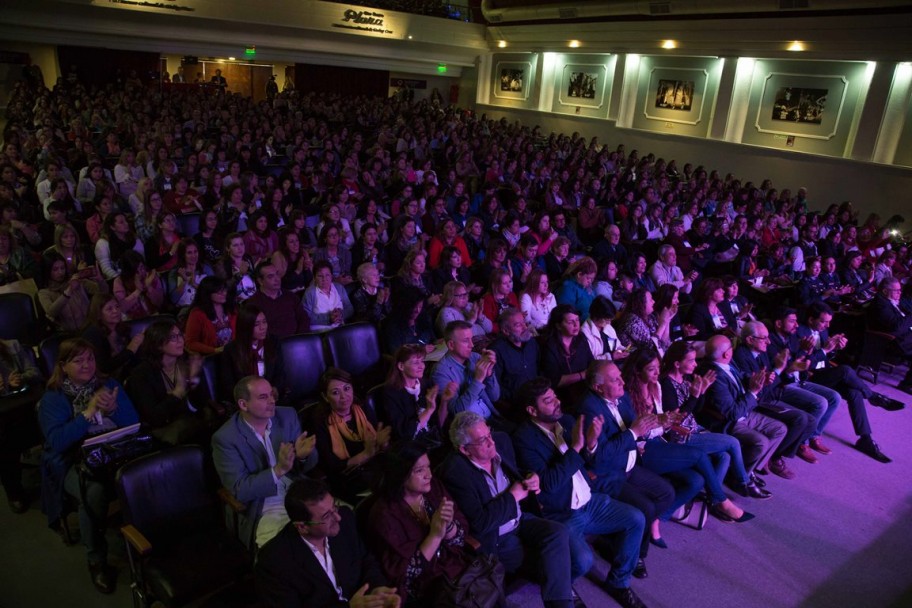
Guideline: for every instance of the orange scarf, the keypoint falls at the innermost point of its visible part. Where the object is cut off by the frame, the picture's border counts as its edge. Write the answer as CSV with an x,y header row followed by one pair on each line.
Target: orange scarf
x,y
339,431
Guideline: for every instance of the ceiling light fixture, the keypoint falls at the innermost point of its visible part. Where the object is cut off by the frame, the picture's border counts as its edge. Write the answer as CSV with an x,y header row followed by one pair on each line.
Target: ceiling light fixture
x,y
669,44
502,44
574,44
796,46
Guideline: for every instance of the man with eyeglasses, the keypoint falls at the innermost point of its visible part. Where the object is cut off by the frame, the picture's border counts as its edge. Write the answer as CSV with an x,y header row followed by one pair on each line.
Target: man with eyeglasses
x,y
258,453
482,477
887,314
318,559
731,407
804,408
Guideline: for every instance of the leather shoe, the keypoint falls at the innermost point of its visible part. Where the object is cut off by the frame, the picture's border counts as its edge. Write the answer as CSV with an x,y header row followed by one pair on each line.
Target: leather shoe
x,y
869,447
761,483
103,577
722,516
625,597
891,405
640,570
659,542
817,445
806,454
762,470
752,490
778,467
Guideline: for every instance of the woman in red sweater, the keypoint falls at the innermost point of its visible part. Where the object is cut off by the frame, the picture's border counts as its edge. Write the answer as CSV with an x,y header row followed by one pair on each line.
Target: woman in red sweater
x,y
211,323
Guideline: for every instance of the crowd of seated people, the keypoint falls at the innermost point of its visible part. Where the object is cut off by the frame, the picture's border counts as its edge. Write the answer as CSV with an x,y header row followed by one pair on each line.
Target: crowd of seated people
x,y
581,339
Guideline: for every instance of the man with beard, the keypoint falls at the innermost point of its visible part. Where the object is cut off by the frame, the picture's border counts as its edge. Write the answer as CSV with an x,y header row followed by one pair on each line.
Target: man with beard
x,y
517,355
556,447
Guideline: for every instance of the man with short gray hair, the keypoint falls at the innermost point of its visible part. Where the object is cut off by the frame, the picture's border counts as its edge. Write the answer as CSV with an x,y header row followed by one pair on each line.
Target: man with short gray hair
x,y
666,270
482,477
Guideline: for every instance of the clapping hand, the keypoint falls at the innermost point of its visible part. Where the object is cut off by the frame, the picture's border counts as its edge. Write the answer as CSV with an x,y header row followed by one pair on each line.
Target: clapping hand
x,y
284,459
758,381
381,597
594,432
304,445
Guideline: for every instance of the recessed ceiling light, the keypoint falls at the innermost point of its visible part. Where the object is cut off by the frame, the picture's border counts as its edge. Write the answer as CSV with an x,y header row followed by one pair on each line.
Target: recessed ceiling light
x,y
574,44
231,59
410,37
797,45
669,44
502,44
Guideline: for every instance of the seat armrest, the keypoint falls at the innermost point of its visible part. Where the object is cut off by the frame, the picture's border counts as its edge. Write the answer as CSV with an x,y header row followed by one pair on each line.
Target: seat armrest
x,y
228,498
136,539
880,334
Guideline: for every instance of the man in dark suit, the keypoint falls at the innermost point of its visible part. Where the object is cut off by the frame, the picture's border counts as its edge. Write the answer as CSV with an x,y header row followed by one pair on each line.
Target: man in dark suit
x,y
610,248
731,408
555,446
885,314
482,477
751,358
318,559
258,452
613,465
819,346
517,354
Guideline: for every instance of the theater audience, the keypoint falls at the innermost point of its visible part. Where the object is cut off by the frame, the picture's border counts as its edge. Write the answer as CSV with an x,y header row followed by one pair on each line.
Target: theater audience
x,y
211,322
682,229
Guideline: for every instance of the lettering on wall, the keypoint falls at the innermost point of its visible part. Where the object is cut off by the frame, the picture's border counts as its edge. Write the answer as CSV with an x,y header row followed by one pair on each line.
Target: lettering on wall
x,y
367,21
169,5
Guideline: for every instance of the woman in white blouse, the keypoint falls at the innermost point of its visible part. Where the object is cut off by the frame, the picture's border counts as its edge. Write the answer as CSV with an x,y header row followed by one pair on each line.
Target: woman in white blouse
x,y
537,301
603,339
325,302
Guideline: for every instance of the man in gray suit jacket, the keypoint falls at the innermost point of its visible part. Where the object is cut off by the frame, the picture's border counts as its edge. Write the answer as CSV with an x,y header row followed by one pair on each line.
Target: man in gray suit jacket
x,y
258,453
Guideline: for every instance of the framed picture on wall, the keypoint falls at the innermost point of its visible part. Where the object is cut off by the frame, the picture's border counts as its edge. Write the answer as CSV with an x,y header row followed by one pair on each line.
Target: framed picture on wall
x,y
513,79
801,105
676,95
583,85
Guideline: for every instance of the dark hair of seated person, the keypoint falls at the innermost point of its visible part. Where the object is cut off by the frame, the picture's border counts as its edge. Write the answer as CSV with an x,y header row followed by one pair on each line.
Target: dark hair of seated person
x,y
397,467
304,491
602,309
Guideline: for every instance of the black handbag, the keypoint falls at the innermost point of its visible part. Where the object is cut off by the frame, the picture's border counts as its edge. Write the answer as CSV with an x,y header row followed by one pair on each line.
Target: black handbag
x,y
480,585
102,460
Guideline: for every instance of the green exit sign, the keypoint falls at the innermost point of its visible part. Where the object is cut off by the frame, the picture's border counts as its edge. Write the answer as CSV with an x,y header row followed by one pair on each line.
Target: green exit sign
x,y
442,68
250,51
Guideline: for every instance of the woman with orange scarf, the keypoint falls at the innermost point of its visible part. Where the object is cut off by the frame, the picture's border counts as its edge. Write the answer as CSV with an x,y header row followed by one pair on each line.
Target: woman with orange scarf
x,y
348,437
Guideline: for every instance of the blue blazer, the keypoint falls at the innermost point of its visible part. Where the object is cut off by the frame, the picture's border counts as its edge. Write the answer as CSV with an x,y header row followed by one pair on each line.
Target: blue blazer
x,y
536,452
467,485
729,400
609,463
817,355
243,465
